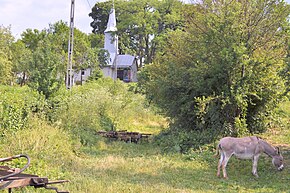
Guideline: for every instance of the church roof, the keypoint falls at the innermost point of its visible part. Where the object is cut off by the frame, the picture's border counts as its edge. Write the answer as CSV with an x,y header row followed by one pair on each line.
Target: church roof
x,y
124,61
111,26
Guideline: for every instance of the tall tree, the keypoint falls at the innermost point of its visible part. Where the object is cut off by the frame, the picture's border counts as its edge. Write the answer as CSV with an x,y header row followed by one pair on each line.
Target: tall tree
x,y
48,64
6,40
44,71
286,71
222,74
31,38
99,14
85,53
21,59
141,24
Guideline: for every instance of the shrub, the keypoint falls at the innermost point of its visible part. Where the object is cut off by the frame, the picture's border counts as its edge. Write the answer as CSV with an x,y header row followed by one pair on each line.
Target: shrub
x,y
17,104
101,105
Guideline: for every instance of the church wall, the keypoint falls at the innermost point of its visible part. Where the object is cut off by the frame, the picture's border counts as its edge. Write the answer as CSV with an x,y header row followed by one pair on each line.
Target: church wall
x,y
108,72
134,71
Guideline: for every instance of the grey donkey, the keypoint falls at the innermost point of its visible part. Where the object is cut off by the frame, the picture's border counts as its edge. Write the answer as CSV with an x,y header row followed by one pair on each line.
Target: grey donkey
x,y
246,148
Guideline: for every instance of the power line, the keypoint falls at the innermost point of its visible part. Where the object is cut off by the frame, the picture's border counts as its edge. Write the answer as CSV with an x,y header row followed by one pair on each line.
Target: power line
x,y
89,4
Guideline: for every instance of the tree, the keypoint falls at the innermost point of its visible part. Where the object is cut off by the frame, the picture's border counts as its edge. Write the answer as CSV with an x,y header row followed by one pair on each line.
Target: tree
x,y
85,52
221,76
96,40
141,24
21,58
286,71
31,38
99,14
44,70
48,64
6,40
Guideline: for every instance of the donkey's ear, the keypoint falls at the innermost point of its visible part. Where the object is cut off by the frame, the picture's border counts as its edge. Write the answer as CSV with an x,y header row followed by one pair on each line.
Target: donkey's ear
x,y
278,150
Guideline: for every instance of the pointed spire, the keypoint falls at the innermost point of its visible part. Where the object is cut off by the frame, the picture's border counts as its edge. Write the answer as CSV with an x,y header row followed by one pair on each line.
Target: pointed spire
x,y
111,38
111,26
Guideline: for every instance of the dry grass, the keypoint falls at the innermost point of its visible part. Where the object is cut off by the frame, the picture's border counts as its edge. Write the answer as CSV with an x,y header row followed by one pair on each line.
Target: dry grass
x,y
118,167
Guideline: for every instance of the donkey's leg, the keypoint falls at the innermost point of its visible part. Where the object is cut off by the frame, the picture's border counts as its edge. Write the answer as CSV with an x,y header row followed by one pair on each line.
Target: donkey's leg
x,y
224,164
220,163
255,164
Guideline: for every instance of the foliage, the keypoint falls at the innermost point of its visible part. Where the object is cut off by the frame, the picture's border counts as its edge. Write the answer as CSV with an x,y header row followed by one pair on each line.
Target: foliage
x,y
101,105
83,53
103,57
31,38
6,40
99,14
44,74
286,71
48,147
16,106
113,166
192,94
222,74
100,165
142,25
41,57
96,40
21,59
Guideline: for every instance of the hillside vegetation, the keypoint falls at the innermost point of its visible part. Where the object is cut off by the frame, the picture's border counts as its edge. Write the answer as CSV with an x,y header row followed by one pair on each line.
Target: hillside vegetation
x,y
205,70
63,144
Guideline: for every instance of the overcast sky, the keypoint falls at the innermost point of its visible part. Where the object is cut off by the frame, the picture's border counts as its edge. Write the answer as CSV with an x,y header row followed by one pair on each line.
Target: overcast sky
x,y
37,14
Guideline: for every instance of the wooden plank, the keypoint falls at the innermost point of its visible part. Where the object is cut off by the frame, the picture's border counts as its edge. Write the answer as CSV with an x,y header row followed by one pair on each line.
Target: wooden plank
x,y
15,183
22,182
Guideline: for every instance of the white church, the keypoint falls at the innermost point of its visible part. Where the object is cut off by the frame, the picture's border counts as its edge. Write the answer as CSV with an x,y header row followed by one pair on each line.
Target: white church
x,y
123,67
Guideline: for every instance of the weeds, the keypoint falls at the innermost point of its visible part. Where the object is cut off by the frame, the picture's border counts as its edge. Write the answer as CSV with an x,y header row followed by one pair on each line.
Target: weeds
x,y
99,165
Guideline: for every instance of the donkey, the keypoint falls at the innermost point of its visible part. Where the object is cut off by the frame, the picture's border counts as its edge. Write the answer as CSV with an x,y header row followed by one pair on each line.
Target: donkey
x,y
246,148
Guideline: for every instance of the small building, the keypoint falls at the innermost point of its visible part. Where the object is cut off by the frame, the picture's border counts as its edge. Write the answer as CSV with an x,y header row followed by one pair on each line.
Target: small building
x,y
123,67
81,76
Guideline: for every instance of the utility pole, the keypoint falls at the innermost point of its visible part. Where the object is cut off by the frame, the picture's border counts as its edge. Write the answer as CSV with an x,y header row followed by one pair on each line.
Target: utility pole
x,y
69,75
115,62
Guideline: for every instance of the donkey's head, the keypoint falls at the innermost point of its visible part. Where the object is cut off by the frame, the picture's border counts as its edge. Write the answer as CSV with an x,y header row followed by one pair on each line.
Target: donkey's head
x,y
278,160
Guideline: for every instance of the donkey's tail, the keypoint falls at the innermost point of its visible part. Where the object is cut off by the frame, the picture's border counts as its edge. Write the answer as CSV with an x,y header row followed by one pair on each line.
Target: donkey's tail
x,y
218,147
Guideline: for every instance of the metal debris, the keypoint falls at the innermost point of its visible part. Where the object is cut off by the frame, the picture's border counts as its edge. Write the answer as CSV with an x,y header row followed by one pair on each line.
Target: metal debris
x,y
14,178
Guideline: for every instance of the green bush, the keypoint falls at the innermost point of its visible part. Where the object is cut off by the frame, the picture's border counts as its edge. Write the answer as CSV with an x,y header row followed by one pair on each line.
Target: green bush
x,y
17,104
50,148
101,105
213,78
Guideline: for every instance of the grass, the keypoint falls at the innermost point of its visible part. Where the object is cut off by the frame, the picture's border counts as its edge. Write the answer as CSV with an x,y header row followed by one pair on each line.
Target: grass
x,y
118,167
121,167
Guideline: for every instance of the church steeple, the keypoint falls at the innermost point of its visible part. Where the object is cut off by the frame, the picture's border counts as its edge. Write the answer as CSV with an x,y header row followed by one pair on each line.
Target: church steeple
x,y
111,25
111,39
123,67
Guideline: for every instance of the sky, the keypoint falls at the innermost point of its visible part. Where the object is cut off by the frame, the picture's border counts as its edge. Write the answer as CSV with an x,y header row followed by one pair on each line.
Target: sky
x,y
38,14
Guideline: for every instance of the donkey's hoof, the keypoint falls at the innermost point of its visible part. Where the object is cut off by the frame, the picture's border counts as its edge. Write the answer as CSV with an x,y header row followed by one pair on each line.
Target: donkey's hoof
x,y
256,175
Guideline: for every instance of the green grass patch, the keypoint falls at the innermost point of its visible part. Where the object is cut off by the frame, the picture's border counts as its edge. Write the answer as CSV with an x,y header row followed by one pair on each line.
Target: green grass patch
x,y
100,165
115,166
